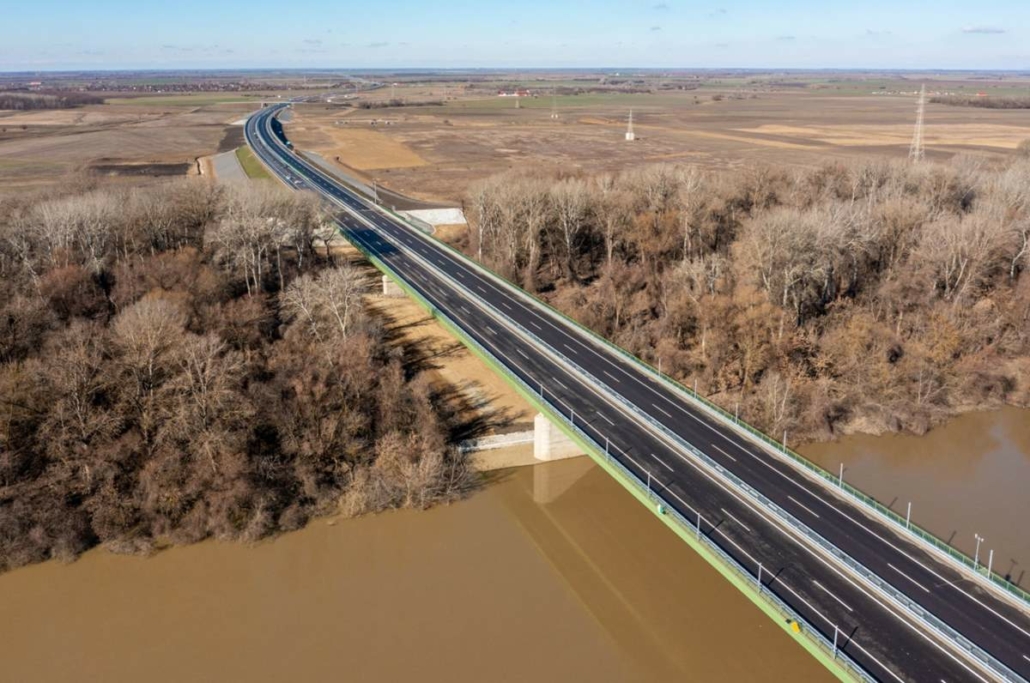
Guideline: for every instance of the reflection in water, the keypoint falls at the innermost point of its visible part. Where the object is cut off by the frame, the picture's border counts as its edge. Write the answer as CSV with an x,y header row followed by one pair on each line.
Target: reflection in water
x,y
585,586
967,477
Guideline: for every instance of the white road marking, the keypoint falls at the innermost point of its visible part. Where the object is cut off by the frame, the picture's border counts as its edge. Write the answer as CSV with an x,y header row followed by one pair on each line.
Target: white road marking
x,y
505,304
803,506
817,557
852,640
536,326
663,412
724,453
909,578
460,274
465,310
631,459
481,289
662,462
1026,658
558,382
490,330
827,591
522,353
569,348
604,417
730,515
610,375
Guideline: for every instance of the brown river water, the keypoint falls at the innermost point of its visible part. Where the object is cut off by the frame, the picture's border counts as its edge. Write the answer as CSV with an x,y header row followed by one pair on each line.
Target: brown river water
x,y
970,476
552,573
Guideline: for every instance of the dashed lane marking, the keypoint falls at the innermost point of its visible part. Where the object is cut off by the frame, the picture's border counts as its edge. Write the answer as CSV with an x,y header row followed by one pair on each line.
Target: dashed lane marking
x,y
663,412
724,453
909,578
803,506
730,515
827,591
661,462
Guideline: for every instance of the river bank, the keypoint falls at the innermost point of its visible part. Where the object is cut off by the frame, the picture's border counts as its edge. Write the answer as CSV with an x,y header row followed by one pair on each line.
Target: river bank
x,y
501,587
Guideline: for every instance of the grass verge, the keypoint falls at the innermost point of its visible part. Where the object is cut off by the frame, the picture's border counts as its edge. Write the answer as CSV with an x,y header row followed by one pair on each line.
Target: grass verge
x,y
254,169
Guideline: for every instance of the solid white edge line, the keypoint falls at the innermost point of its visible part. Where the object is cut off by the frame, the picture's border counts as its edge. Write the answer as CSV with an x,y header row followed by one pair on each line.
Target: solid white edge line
x,y
787,532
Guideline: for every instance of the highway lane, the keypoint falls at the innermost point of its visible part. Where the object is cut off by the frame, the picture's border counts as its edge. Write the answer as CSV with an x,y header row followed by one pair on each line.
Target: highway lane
x,y
836,520
738,528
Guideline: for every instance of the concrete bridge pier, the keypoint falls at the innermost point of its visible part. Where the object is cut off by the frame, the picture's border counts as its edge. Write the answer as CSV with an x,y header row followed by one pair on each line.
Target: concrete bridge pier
x,y
551,479
551,443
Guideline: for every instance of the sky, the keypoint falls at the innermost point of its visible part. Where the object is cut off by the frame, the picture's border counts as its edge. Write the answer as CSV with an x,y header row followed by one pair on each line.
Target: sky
x,y
344,34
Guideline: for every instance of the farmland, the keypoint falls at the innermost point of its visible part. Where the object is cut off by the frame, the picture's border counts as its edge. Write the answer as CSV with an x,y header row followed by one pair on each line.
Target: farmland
x,y
466,137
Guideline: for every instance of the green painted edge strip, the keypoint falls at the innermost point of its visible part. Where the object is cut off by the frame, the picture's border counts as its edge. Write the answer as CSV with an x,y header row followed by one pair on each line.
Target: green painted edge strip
x,y
835,666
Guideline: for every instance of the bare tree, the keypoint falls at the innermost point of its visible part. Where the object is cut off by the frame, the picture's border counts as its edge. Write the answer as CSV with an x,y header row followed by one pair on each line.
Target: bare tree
x,y
571,201
325,305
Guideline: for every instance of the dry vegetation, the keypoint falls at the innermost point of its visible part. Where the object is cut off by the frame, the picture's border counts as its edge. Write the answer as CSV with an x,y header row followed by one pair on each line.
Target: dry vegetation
x,y
870,296
469,138
24,101
180,364
984,102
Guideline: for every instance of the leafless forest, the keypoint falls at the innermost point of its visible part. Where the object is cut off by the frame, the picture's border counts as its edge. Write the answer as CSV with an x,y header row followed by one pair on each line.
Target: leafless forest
x,y
983,102
869,297
182,362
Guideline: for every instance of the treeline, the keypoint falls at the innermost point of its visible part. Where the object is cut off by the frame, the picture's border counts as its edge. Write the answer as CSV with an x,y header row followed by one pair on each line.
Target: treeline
x,y
983,102
872,297
396,102
184,362
26,101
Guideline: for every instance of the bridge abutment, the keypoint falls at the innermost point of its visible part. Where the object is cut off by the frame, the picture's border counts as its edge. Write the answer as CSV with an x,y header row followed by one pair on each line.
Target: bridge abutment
x,y
391,288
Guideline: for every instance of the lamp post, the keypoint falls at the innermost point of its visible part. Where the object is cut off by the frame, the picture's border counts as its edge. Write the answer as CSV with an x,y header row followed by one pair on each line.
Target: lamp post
x,y
976,557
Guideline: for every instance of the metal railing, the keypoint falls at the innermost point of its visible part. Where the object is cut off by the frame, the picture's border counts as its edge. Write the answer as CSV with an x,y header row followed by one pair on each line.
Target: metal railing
x,y
597,452
930,621
723,416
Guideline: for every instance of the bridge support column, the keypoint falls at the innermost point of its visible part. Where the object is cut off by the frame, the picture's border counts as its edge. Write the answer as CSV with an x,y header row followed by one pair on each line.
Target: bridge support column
x,y
551,443
391,288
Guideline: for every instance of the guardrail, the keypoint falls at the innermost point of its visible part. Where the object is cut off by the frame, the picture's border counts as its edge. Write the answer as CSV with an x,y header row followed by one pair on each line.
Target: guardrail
x,y
597,452
930,621
724,417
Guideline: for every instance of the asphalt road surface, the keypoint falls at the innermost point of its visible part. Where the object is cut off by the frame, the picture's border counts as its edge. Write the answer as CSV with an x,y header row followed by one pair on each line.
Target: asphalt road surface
x,y
592,384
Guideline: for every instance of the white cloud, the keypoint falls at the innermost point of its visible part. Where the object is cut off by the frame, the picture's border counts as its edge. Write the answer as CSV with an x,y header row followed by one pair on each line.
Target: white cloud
x,y
982,29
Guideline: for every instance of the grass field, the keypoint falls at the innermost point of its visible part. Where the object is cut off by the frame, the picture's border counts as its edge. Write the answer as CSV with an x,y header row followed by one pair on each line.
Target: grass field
x,y
251,166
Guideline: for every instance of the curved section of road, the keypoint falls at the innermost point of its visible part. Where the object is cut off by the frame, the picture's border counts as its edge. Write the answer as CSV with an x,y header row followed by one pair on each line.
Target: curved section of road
x,y
912,617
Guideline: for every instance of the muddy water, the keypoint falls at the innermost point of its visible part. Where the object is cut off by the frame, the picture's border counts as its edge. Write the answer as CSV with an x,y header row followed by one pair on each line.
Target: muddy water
x,y
551,574
970,476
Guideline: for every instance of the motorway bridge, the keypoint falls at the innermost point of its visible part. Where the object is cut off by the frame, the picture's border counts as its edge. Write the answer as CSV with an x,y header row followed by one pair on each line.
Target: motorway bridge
x,y
870,599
